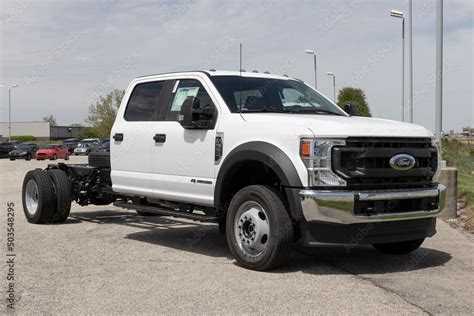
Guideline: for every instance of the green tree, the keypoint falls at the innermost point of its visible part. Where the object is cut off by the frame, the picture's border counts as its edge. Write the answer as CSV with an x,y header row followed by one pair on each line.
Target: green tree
x,y
102,114
51,119
356,97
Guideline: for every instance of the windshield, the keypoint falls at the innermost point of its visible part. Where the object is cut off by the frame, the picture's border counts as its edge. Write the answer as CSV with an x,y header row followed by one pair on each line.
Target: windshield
x,y
25,146
84,145
49,147
250,95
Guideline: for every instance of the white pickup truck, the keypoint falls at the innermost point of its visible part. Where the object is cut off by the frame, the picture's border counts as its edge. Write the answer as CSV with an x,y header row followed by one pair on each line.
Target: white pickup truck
x,y
266,157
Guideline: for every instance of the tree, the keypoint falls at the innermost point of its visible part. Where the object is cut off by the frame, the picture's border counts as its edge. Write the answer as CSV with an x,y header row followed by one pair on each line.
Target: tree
x,y
102,114
51,119
356,97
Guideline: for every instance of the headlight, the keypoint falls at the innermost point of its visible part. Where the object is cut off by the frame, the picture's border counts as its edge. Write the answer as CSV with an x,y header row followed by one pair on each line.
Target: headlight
x,y
23,153
316,155
435,143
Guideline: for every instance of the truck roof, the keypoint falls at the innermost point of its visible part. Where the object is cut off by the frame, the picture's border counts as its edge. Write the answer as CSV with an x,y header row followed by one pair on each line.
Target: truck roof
x,y
213,72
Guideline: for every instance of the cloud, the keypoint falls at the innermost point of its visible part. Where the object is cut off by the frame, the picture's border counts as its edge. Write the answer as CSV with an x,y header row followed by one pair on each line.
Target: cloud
x,y
356,39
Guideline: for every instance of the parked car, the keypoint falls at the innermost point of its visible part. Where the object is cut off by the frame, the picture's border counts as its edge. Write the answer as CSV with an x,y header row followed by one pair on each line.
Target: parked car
x,y
267,158
104,146
71,144
16,143
24,151
5,149
52,152
84,148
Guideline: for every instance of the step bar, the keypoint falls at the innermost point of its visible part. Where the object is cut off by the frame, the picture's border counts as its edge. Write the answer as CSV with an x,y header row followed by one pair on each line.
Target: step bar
x,y
166,211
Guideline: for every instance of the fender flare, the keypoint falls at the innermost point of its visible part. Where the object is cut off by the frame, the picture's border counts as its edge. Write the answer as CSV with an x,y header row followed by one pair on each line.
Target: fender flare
x,y
263,152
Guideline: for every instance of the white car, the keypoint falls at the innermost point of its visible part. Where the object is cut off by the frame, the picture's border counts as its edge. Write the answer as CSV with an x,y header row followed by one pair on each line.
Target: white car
x,y
266,157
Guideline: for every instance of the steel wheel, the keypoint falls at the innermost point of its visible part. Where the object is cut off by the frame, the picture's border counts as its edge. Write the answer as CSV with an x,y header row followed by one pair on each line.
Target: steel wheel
x,y
252,229
31,197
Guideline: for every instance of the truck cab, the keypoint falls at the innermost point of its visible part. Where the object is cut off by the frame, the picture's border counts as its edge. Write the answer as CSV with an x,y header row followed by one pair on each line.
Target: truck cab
x,y
269,159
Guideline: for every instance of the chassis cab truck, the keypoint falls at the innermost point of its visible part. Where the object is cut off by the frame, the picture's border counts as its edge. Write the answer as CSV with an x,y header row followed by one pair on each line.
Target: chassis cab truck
x,y
268,158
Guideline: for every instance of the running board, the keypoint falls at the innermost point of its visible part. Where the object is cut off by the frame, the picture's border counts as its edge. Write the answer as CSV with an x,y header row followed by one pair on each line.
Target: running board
x,y
166,211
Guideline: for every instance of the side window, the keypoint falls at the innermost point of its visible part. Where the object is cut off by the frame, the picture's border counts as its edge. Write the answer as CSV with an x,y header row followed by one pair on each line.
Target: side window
x,y
144,102
182,90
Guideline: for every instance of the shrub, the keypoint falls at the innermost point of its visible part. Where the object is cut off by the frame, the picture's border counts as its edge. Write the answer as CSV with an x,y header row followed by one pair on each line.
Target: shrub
x,y
24,138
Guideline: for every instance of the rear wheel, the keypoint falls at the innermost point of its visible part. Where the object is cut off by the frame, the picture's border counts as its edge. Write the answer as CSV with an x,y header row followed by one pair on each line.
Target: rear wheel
x,y
12,159
28,157
54,157
66,157
401,247
62,190
258,228
38,197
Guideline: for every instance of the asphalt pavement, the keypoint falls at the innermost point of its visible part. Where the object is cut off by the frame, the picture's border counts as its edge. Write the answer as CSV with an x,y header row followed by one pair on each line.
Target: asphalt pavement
x,y
109,260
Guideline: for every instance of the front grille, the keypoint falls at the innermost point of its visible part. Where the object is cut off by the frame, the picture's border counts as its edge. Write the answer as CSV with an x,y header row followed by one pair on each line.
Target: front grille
x,y
367,208
365,163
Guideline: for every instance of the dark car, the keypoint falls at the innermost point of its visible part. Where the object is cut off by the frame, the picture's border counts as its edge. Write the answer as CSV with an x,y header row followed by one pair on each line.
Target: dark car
x,y
104,146
5,149
16,143
24,151
71,144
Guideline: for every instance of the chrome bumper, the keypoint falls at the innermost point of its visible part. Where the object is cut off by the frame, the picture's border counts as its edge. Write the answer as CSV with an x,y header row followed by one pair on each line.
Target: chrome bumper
x,y
338,206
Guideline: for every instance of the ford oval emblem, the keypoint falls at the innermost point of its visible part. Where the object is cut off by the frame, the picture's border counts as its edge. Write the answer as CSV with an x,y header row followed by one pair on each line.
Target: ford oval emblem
x,y
402,162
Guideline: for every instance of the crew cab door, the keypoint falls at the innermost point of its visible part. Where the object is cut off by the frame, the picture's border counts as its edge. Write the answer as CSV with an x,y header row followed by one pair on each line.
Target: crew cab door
x,y
131,143
183,159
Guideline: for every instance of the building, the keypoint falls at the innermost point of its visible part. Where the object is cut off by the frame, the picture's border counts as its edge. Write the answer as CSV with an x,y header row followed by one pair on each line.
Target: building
x,y
64,132
40,130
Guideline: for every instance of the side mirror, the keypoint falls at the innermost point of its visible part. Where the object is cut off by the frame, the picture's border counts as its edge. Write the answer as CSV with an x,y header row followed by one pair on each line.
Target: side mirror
x,y
193,116
351,109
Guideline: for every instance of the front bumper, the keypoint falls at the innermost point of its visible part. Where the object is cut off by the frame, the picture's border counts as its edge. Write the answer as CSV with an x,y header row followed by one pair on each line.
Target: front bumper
x,y
338,207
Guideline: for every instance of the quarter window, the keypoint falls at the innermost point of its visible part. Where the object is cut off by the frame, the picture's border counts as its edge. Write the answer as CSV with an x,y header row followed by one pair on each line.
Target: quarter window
x,y
143,104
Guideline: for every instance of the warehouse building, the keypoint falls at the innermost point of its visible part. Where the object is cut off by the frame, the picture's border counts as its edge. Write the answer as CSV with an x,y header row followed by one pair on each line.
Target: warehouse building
x,y
39,130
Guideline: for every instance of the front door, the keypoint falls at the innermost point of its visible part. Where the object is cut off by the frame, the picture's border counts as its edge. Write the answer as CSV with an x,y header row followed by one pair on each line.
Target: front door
x,y
183,159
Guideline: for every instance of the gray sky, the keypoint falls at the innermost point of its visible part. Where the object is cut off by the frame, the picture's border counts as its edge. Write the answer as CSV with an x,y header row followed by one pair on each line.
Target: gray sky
x,y
63,54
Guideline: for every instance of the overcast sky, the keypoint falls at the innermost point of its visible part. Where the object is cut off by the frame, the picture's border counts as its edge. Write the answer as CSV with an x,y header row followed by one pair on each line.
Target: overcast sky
x,y
63,54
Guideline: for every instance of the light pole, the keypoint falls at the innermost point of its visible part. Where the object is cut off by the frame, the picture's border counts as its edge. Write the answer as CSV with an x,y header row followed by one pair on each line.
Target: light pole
x,y
333,84
439,70
312,52
401,15
9,108
410,60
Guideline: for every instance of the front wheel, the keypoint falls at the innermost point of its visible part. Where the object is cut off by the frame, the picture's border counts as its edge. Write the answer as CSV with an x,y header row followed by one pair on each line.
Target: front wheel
x,y
54,157
258,228
401,247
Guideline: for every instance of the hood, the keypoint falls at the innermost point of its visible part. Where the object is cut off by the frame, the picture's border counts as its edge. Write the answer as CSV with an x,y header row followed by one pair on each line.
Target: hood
x,y
339,126
20,150
45,150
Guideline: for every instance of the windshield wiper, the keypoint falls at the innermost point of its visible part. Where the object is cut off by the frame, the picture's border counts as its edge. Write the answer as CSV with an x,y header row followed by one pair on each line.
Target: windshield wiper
x,y
312,110
268,109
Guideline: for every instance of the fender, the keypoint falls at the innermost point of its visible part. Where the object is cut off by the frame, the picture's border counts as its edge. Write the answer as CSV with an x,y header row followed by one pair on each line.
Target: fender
x,y
265,153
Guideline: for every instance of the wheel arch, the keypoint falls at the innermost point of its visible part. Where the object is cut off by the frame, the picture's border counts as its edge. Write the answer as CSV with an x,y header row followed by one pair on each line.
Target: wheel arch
x,y
262,153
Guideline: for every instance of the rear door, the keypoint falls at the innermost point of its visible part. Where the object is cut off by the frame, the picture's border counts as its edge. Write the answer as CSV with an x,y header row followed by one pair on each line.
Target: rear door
x,y
131,143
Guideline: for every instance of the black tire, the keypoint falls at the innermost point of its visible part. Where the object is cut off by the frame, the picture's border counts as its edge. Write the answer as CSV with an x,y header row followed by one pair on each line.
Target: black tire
x,y
146,213
28,157
12,159
66,157
62,190
399,248
280,233
54,157
45,197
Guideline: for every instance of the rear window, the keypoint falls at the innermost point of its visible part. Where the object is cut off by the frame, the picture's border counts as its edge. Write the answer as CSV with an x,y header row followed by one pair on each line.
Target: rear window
x,y
143,103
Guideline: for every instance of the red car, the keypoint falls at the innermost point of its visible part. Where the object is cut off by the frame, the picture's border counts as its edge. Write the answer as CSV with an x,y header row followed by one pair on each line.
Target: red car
x,y
53,152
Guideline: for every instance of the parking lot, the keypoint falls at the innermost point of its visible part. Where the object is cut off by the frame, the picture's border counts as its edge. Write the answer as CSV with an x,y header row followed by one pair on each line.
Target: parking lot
x,y
109,260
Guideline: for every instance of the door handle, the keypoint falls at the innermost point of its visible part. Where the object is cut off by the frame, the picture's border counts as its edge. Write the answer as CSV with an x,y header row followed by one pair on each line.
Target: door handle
x,y
159,138
118,137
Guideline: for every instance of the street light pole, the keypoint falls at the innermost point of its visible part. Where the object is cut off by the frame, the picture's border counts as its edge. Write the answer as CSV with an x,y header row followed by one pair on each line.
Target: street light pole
x,y
9,109
333,85
410,60
312,52
401,15
439,70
